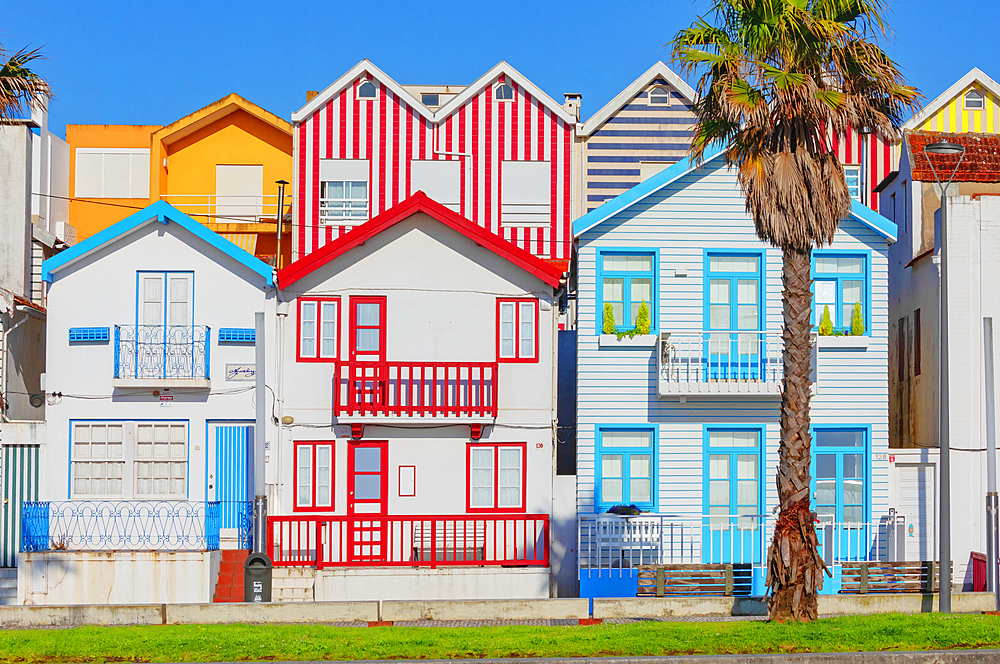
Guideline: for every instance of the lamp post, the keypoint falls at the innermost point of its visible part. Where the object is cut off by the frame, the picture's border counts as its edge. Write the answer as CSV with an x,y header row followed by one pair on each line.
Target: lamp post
x,y
281,217
944,148
991,466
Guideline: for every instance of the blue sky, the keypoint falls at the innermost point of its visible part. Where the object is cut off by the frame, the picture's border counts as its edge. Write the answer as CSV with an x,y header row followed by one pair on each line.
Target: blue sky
x,y
152,63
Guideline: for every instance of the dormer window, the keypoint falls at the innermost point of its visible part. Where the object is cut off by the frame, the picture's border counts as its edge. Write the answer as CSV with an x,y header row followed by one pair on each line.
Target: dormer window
x,y
503,92
430,99
659,97
367,90
974,100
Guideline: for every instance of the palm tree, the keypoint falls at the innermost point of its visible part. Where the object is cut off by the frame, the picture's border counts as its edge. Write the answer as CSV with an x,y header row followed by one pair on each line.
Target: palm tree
x,y
778,79
21,89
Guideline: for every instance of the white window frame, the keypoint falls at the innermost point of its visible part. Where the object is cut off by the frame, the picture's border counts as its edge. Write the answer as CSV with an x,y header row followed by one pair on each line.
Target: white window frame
x,y
132,459
661,89
360,97
982,100
854,168
496,92
344,211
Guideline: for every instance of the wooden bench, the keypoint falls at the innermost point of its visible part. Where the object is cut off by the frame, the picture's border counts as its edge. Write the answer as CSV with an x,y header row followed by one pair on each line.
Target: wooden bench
x,y
670,580
922,576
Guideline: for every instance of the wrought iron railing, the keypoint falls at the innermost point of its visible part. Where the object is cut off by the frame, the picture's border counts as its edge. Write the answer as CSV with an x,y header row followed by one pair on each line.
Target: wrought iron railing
x,y
370,540
609,542
120,526
416,389
162,351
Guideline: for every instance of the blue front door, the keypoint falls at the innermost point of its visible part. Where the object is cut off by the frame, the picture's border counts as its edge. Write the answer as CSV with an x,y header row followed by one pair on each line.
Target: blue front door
x,y
733,317
731,532
232,478
840,491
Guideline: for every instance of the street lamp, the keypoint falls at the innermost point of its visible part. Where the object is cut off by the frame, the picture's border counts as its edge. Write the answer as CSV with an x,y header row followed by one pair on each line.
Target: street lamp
x,y
944,149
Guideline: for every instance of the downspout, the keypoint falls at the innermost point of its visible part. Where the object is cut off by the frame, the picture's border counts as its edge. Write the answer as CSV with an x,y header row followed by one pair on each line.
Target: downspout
x,y
281,310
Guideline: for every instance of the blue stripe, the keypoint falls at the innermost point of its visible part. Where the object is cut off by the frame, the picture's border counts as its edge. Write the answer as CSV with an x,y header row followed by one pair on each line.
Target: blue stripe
x,y
645,107
644,133
638,146
615,159
611,185
633,119
625,172
231,472
599,197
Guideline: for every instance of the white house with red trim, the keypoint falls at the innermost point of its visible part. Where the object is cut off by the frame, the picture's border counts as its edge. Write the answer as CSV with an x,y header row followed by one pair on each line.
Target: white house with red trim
x,y
498,152
417,407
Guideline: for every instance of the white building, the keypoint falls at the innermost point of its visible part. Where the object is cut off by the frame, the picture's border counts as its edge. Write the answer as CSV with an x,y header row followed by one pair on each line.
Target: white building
x,y
150,344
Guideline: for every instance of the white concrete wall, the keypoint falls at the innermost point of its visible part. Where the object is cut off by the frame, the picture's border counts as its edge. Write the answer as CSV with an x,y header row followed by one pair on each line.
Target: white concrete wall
x,y
121,577
15,208
99,290
404,583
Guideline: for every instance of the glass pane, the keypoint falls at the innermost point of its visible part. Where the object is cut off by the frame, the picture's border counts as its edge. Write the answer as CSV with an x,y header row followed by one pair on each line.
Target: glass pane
x,y
826,264
507,312
507,346
732,438
636,438
640,466
718,492
482,497
835,438
826,492
719,291
627,263
718,316
746,492
826,292
152,313
510,459
640,491
614,290
826,465
611,465
719,467
367,459
152,290
334,190
854,514
304,470
746,317
733,263
324,463
611,491
368,313
367,340
359,191
826,513
642,291
850,264
482,457
746,291
853,468
367,487
746,466
854,492
618,311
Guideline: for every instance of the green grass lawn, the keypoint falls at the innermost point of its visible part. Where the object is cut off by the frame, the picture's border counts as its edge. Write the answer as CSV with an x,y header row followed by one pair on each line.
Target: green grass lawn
x,y
205,643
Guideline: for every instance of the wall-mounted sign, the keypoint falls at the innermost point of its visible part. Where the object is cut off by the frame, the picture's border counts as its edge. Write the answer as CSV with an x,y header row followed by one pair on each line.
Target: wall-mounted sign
x,y
241,371
166,400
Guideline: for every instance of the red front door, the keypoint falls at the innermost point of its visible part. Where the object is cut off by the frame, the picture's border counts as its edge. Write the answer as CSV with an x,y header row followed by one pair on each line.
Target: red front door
x,y
367,500
367,353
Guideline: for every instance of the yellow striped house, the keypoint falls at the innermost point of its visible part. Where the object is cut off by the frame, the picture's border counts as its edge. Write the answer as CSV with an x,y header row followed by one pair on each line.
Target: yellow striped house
x,y
970,106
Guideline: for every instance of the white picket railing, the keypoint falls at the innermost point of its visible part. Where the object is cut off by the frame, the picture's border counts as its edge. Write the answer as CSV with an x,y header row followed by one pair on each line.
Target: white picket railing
x,y
720,361
607,542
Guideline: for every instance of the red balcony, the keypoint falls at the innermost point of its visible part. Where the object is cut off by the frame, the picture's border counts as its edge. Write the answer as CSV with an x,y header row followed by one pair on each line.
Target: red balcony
x,y
371,390
410,541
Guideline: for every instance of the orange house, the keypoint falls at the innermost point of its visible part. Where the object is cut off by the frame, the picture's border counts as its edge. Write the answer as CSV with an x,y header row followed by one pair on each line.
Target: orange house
x,y
219,165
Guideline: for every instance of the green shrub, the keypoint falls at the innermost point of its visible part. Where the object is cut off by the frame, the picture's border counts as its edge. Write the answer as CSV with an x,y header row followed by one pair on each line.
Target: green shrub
x,y
857,321
642,323
609,319
825,323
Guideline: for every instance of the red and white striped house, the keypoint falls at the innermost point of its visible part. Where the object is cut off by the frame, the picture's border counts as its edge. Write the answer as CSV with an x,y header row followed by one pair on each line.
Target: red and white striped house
x,y
498,152
867,159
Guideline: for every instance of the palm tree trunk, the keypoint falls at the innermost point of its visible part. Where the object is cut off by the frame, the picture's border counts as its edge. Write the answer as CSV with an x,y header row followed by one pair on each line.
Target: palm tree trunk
x,y
794,567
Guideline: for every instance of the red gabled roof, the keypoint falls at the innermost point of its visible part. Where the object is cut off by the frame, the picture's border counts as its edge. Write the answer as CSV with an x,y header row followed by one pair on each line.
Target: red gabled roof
x,y
981,162
419,202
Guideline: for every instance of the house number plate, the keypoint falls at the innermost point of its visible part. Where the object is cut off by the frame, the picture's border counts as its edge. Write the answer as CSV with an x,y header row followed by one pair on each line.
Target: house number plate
x,y
880,457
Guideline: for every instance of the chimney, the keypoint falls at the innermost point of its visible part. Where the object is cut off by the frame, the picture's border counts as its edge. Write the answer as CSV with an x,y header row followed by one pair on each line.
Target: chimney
x,y
310,94
572,104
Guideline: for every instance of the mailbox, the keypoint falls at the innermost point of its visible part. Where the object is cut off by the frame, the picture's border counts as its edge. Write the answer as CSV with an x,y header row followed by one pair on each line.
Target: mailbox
x,y
257,578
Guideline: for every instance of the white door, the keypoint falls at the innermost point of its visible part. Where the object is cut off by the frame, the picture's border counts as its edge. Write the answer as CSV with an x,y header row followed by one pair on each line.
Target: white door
x,y
165,339
239,192
916,497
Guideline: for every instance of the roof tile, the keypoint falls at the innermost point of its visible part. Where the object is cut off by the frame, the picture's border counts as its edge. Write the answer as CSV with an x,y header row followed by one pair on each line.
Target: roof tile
x,y
981,162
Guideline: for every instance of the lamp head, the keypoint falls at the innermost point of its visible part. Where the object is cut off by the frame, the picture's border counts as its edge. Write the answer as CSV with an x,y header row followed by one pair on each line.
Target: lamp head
x,y
280,182
944,148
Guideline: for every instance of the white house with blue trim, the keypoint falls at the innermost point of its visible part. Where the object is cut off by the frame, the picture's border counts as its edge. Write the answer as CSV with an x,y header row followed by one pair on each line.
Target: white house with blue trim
x,y
683,422
150,345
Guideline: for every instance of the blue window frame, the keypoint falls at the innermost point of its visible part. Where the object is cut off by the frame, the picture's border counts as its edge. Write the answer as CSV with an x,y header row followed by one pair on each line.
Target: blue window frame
x,y
841,280
733,494
734,314
626,279
840,471
626,467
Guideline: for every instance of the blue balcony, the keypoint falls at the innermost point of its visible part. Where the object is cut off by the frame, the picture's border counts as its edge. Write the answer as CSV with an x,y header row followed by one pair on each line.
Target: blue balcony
x,y
162,354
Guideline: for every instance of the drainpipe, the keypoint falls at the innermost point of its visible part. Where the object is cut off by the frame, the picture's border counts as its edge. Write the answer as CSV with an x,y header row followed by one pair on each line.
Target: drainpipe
x,y
279,391
260,436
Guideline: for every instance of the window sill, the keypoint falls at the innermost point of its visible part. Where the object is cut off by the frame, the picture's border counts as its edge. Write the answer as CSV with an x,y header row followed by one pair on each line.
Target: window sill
x,y
199,383
638,341
842,343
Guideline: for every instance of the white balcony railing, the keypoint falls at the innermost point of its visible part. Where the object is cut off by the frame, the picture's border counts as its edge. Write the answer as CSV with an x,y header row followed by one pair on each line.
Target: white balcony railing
x,y
229,209
720,362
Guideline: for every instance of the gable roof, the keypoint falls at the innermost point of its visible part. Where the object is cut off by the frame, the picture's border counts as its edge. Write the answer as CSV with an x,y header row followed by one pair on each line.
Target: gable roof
x,y
931,109
981,162
456,102
419,202
203,117
658,70
668,176
162,212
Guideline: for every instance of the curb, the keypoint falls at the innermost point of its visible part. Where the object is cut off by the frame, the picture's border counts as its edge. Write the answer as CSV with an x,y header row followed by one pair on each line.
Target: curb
x,y
908,657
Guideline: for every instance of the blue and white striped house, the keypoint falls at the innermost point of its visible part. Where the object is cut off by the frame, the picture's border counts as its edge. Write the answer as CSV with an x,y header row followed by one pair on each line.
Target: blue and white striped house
x,y
683,422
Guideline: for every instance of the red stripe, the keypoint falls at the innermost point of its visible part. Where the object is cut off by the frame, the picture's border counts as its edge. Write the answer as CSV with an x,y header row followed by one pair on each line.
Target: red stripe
x,y
527,126
554,212
395,150
314,222
329,133
513,125
303,223
343,126
357,129
475,160
381,149
409,147
422,154
487,221
461,149
563,249
501,145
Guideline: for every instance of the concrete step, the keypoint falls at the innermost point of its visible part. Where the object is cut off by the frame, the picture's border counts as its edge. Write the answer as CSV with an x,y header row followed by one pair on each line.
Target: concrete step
x,y
293,584
292,594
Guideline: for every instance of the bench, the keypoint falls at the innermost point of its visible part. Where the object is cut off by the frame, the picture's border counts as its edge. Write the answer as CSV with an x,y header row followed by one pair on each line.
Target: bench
x,y
921,576
670,580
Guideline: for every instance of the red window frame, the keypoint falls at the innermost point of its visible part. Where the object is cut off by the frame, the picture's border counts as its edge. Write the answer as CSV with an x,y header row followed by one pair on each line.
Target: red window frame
x,y
313,444
352,342
319,324
523,447
517,328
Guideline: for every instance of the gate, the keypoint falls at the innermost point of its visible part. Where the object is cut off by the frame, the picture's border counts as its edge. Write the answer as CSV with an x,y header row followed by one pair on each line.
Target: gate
x,y
20,484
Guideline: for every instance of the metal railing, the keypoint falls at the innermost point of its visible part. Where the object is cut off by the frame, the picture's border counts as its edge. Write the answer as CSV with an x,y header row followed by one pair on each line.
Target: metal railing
x,y
610,542
229,209
412,541
162,351
720,356
127,525
416,389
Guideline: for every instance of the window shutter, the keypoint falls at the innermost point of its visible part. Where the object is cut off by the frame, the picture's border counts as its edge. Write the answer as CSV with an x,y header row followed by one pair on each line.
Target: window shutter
x,y
239,191
441,180
526,195
89,175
